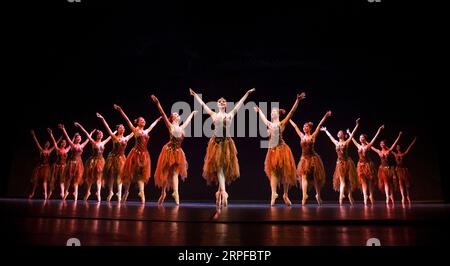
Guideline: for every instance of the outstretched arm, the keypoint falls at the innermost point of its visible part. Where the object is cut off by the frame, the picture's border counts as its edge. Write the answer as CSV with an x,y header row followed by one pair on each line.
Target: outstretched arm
x,y
299,132
164,116
327,114
353,139
84,131
149,129
109,138
36,141
55,144
263,117
108,129
376,150
395,142
127,138
353,132
88,138
130,125
294,107
188,119
410,146
61,126
241,102
376,135
324,129
203,104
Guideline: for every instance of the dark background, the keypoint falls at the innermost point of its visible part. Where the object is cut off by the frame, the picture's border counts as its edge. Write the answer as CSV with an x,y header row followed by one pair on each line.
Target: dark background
x,y
356,58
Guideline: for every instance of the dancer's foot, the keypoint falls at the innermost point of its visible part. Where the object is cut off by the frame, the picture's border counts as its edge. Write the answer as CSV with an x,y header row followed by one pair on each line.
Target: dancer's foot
x,y
86,197
45,196
65,195
371,199
273,199
142,196
224,196
176,197
286,200
119,197
75,196
110,195
319,200
218,198
125,197
61,195
162,198
350,198
49,195
392,199
409,200
31,195
99,198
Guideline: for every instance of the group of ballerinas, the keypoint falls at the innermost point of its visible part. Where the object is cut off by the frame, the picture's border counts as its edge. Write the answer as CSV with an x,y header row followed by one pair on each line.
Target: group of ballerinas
x,y
220,164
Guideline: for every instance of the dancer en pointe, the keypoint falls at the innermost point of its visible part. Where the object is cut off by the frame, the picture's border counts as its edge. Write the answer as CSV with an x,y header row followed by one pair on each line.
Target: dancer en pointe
x,y
172,160
344,177
366,168
279,165
386,174
310,168
42,169
137,164
73,173
59,165
113,169
221,164
402,172
93,171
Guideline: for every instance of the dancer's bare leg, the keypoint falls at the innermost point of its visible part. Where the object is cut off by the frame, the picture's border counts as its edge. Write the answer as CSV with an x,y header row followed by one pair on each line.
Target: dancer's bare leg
x,y
61,187
141,191
402,192
317,187
111,188
163,195
175,194
286,199
371,193
35,185
222,188
75,192
341,189
364,190
45,189
386,191
119,190
127,191
88,191
304,189
99,189
273,187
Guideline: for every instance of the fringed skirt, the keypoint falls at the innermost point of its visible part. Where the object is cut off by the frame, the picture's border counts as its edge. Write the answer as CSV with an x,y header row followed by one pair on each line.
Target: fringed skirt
x,y
403,176
74,171
366,172
221,154
312,168
93,169
347,170
280,162
113,169
170,160
137,166
386,175
41,172
57,174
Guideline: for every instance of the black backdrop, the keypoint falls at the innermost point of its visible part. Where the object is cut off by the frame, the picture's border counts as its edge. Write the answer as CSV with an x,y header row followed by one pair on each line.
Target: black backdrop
x,y
356,58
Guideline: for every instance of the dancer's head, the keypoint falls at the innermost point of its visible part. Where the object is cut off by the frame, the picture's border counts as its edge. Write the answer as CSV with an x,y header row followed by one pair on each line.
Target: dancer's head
x,y
99,135
222,104
363,139
175,118
120,129
77,138
47,145
62,144
341,135
140,122
383,144
307,127
276,113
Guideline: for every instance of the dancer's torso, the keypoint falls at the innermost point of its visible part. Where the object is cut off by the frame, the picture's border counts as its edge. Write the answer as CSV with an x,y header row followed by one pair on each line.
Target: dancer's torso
x,y
119,146
363,152
275,134
44,157
342,151
76,151
61,157
307,144
141,140
176,138
97,149
222,125
399,161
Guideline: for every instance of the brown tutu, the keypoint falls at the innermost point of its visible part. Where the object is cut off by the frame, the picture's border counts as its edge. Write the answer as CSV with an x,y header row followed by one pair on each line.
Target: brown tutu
x,y
221,153
169,161
74,171
114,168
347,170
57,174
366,172
312,167
94,169
137,166
403,175
41,172
385,175
280,161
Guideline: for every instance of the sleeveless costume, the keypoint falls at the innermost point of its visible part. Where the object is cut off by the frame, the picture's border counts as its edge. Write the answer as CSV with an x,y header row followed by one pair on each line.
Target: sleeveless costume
x,y
115,161
94,165
310,164
74,168
137,164
42,168
345,167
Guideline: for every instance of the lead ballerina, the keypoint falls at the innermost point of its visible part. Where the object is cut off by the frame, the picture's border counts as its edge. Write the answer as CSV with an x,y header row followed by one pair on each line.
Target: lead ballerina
x,y
221,164
279,165
172,160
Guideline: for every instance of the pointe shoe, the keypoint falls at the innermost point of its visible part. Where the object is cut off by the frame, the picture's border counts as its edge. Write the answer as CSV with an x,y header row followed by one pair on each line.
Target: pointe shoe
x,y
99,197
351,200
142,196
224,196
286,200
31,196
125,197
304,199
162,198
86,197
218,198
61,195
319,200
119,197
176,197
65,195
111,194
75,196
392,199
371,200
409,200
49,195
273,199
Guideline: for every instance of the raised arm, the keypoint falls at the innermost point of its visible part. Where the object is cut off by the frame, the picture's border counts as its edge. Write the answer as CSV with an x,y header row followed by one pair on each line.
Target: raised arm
x,y
61,126
130,125
395,142
410,146
263,117
241,102
109,138
203,104
327,114
376,135
300,97
376,150
353,132
324,129
55,144
164,116
85,132
188,119
149,129
127,138
36,141
108,129
353,139
88,138
299,132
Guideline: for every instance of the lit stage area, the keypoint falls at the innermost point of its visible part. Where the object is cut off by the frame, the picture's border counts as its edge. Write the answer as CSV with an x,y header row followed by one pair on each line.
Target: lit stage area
x,y
53,222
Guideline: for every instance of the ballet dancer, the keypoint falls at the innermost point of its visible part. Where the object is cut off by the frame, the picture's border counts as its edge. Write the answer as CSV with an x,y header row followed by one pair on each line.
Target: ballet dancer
x,y
344,177
402,171
310,167
171,160
113,169
58,167
73,173
279,165
386,174
221,164
42,169
366,168
93,171
137,164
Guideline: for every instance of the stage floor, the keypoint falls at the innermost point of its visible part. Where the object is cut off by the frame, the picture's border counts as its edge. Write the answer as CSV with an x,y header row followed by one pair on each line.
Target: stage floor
x,y
39,222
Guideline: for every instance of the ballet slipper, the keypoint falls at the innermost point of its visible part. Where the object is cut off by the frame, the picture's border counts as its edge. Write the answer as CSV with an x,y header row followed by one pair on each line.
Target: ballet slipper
x,y
31,195
142,196
224,196
65,195
304,199
110,195
408,199
125,197
319,200
350,198
371,200
176,197
273,198
286,200
86,197
99,197
75,195
218,198
162,198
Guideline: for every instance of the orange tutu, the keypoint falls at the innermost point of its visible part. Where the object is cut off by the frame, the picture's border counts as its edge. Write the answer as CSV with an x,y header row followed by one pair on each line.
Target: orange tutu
x,y
366,172
169,161
312,167
93,169
403,175
386,175
347,170
221,154
74,171
114,168
41,172
57,174
137,166
280,162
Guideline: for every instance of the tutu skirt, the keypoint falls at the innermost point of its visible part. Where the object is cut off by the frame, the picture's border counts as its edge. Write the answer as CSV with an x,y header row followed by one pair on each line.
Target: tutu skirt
x,y
93,169
403,175
57,174
221,154
280,162
386,175
347,170
137,166
312,167
74,171
114,168
170,160
366,172
41,172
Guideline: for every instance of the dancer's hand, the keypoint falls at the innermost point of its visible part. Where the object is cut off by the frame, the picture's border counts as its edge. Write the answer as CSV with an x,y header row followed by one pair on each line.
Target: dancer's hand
x,y
32,132
348,131
256,108
158,119
382,127
251,90
192,92
357,121
77,124
194,112
301,96
155,99
323,129
61,126
99,115
49,130
118,108
328,114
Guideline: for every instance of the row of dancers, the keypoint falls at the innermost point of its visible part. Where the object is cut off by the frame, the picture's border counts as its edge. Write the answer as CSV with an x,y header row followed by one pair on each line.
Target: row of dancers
x,y
221,165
